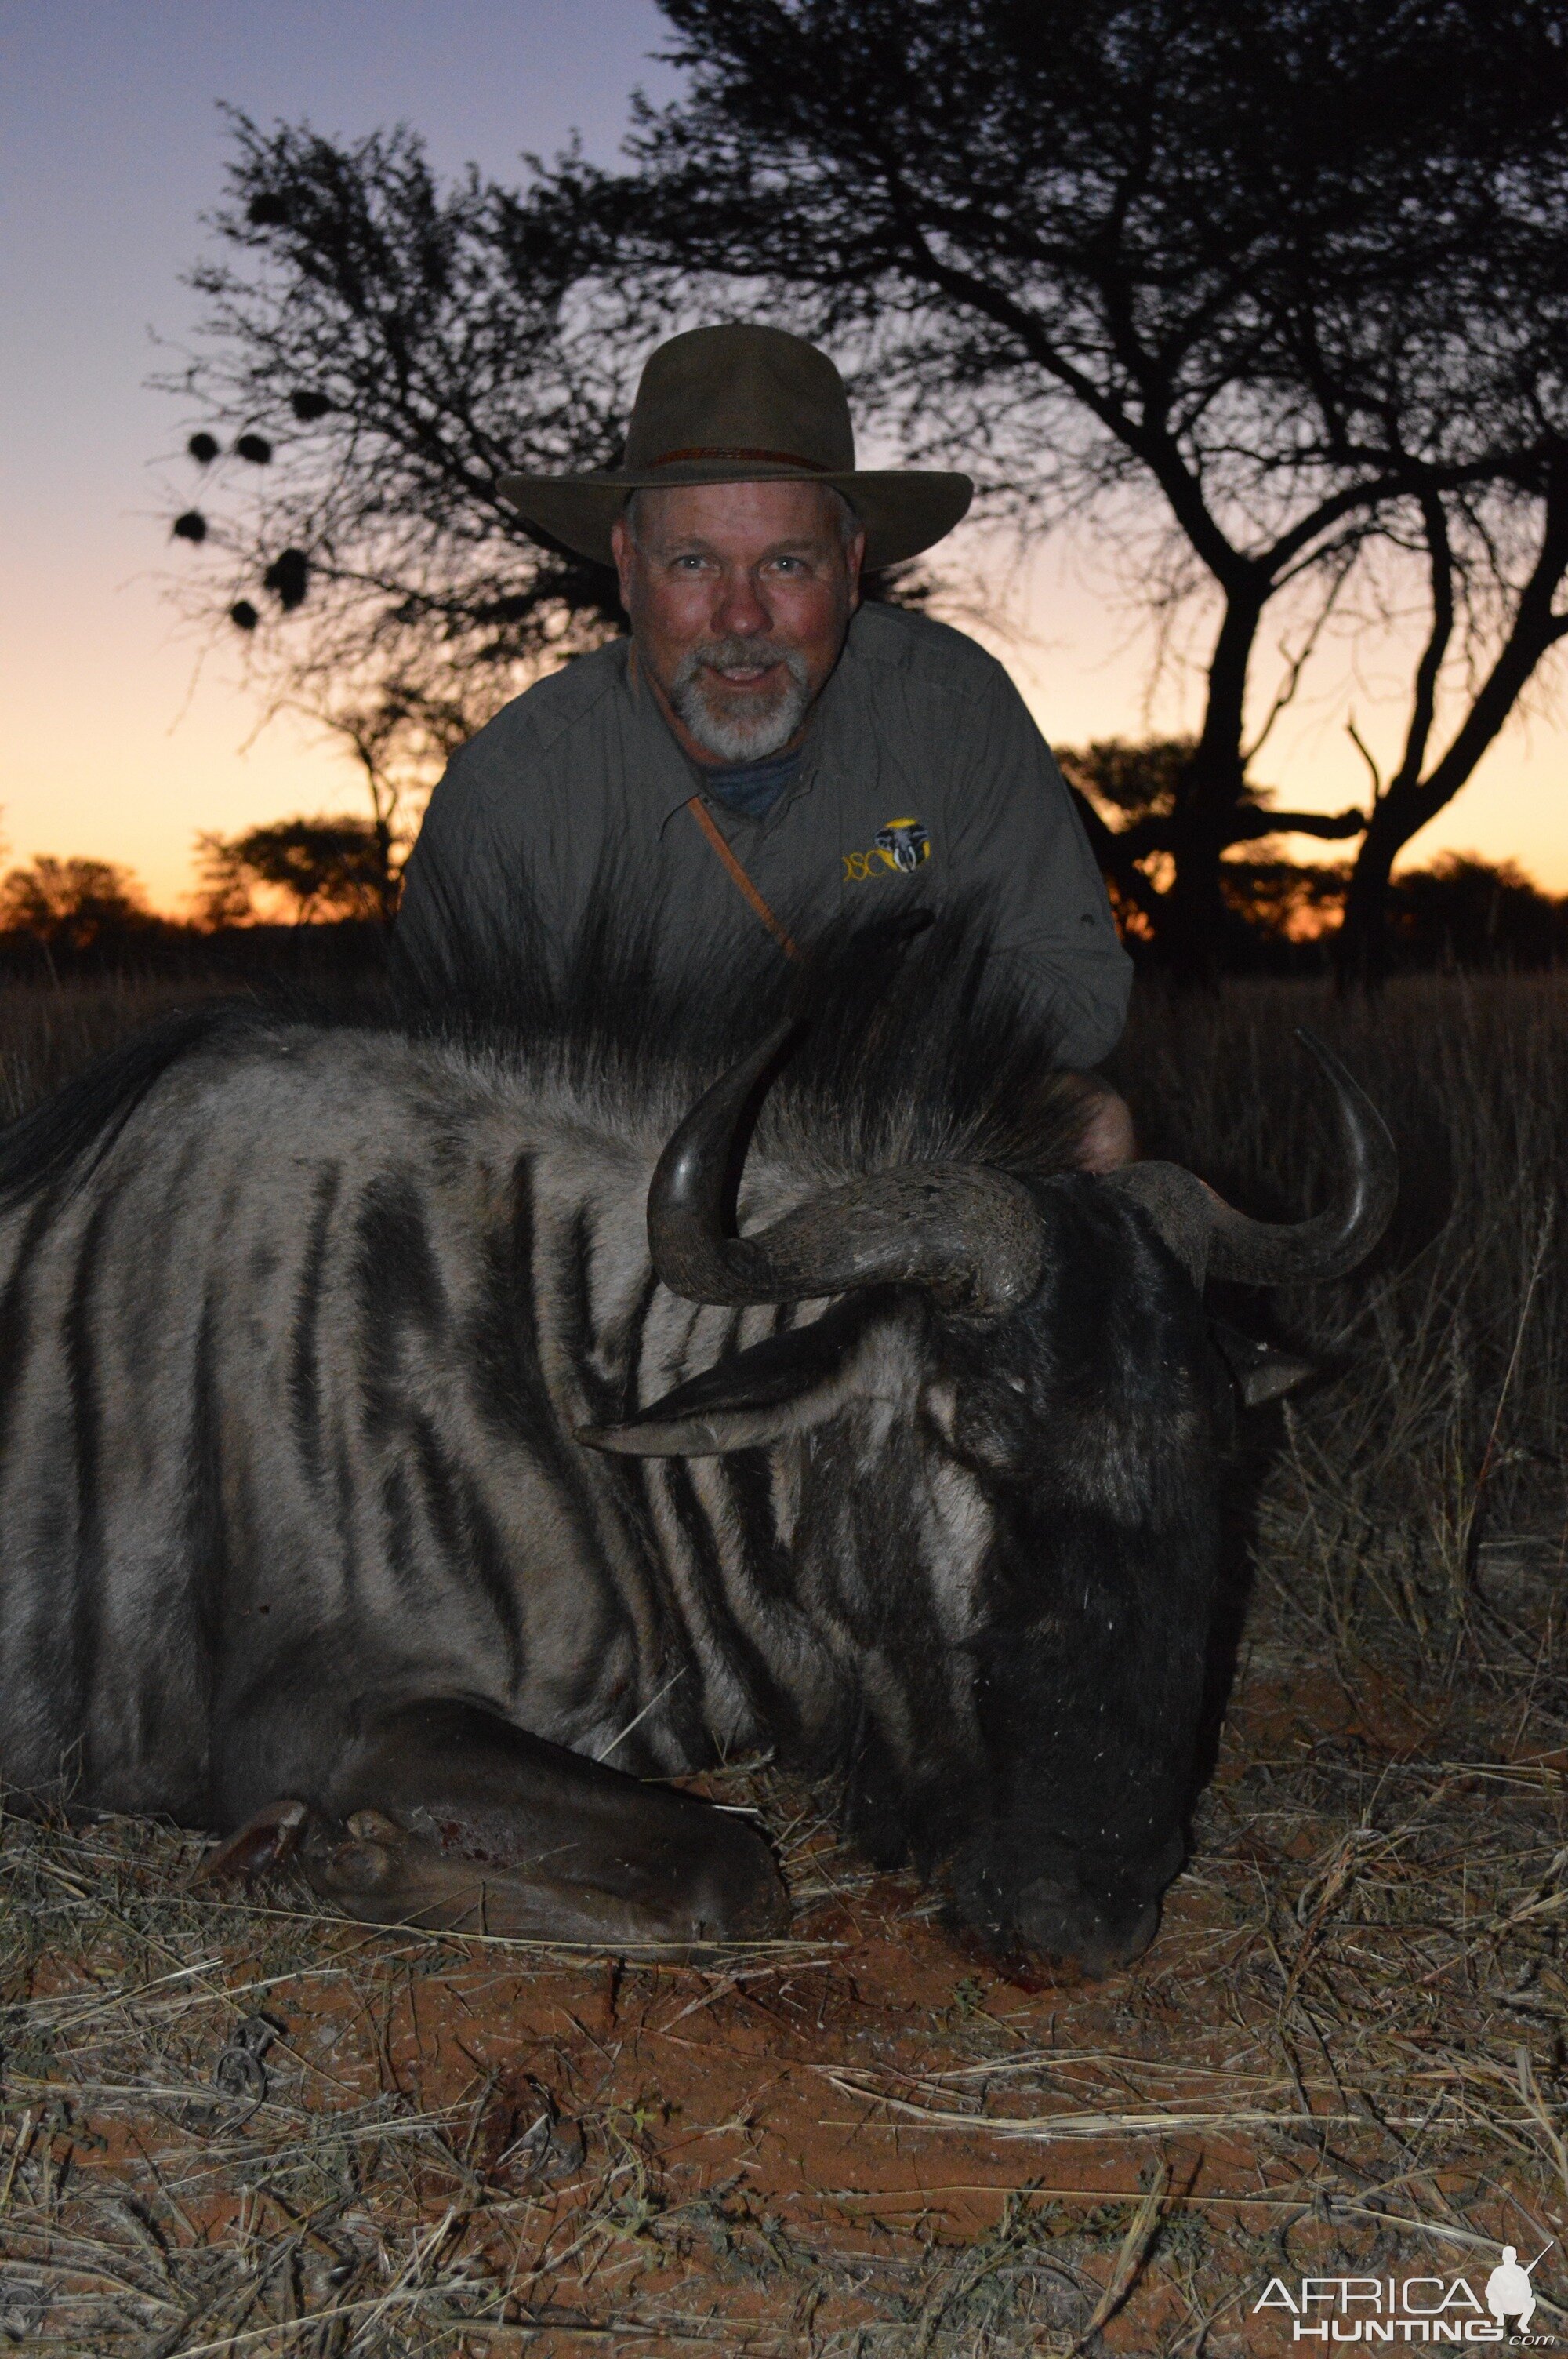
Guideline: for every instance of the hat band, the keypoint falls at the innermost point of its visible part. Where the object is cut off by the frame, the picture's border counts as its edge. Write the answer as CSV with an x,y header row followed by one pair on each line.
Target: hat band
x,y
767,457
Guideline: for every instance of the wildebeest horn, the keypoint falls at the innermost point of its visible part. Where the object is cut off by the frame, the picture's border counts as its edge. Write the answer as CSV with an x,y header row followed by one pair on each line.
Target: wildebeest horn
x,y
969,1235
1214,1239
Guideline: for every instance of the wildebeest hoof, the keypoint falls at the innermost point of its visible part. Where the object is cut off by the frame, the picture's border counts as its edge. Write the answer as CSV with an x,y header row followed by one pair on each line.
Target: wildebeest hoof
x,y
266,1841
743,1898
374,1826
372,1860
1073,1929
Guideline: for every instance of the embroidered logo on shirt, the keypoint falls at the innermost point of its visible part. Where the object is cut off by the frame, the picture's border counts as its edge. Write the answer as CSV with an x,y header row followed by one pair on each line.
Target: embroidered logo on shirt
x,y
899,848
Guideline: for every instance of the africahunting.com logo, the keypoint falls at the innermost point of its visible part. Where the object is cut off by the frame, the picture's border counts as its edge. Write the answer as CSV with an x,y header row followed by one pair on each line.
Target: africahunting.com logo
x,y
1412,2309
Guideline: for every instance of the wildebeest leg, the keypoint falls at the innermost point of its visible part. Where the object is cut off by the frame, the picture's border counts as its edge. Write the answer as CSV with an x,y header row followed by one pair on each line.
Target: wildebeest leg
x,y
444,1813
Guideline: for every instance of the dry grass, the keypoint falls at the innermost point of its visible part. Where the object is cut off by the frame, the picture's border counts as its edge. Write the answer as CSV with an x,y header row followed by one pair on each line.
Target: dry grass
x,y
230,2128
1419,1498
47,1031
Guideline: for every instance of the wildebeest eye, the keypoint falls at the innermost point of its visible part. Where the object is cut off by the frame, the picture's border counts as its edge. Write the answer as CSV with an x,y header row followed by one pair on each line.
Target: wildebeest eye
x,y
984,1418
992,1430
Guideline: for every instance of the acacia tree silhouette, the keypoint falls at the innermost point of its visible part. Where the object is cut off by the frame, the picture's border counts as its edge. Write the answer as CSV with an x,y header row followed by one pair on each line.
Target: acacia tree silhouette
x,y
374,353
322,868
1290,275
73,905
1270,294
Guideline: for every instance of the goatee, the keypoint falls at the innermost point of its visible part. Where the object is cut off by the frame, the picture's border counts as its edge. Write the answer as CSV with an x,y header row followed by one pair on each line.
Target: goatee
x,y
740,726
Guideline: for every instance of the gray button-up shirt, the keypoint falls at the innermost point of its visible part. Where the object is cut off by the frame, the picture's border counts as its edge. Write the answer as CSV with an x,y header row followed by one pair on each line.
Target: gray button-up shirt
x,y
924,781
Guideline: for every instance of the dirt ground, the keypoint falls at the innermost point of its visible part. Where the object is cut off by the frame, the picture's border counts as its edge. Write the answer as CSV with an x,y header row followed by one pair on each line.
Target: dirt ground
x,y
238,2127
236,2124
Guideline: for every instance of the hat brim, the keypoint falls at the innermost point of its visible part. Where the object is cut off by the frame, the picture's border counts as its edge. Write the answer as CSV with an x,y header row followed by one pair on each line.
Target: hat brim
x,y
903,510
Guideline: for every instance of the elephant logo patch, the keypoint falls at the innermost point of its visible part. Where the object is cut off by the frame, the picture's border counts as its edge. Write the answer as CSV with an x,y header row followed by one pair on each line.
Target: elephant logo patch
x,y
898,850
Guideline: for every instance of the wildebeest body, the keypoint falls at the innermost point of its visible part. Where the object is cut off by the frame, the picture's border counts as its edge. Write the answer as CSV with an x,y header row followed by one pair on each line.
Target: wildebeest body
x,y
294,1358
288,1395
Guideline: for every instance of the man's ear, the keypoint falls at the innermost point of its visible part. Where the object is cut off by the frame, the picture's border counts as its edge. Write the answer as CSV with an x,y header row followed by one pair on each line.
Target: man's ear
x,y
621,549
783,1385
854,556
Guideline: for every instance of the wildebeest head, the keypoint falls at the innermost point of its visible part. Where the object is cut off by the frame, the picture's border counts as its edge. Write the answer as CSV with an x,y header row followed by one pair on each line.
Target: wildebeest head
x,y
1011,1424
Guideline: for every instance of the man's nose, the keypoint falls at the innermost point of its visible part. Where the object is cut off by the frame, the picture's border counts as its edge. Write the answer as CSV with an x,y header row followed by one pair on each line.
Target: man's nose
x,y
740,613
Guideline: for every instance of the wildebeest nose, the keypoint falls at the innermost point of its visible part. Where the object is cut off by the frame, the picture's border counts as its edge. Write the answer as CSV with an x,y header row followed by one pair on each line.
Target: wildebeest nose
x,y
1097,1936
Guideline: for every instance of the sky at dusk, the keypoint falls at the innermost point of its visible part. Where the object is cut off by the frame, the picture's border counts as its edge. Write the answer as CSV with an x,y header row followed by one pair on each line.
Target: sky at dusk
x,y
123,735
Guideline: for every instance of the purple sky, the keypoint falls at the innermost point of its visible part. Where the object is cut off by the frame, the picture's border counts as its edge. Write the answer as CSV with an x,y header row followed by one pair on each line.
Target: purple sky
x,y
124,736
111,147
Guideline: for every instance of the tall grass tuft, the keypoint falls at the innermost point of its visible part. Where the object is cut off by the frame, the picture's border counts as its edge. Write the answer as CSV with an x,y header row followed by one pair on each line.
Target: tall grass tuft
x,y
1419,1483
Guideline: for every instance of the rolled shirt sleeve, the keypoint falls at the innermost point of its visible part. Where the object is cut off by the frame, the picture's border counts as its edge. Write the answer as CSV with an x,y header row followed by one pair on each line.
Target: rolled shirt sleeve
x,y
439,879
1018,839
483,867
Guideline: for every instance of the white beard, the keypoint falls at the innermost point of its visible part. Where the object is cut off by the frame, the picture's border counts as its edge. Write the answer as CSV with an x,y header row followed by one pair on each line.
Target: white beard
x,y
743,728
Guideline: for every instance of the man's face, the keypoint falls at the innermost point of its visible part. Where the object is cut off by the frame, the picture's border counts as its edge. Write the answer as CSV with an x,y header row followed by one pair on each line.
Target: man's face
x,y
739,596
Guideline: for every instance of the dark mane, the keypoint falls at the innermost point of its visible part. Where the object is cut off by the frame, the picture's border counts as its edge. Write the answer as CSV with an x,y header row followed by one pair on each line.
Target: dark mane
x,y
911,1047
915,1043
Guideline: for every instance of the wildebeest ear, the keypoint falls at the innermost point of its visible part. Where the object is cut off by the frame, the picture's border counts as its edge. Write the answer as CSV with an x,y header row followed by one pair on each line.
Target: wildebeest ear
x,y
783,1386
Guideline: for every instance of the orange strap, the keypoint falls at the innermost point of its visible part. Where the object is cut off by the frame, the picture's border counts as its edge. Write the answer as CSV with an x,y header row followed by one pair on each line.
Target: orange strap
x,y
737,876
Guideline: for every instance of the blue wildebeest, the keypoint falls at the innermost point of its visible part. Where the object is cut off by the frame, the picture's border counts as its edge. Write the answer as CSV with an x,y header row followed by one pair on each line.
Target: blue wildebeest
x,y
412,1454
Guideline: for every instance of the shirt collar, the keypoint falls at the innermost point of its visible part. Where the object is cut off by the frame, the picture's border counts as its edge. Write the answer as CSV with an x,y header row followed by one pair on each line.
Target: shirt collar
x,y
660,758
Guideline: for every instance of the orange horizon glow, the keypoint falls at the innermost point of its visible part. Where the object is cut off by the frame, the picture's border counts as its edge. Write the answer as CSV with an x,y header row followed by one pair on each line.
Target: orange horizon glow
x,y
159,756
124,738
163,739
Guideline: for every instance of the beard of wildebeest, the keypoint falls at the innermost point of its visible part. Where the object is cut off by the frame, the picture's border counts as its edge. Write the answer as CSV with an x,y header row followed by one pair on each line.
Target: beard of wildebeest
x,y
1034,1553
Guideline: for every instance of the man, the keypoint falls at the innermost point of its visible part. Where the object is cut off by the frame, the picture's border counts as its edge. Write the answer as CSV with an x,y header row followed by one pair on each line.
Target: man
x,y
766,751
1511,2296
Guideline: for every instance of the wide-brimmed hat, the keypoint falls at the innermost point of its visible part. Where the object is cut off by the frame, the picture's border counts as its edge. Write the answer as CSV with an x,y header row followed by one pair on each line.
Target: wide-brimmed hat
x,y
743,404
